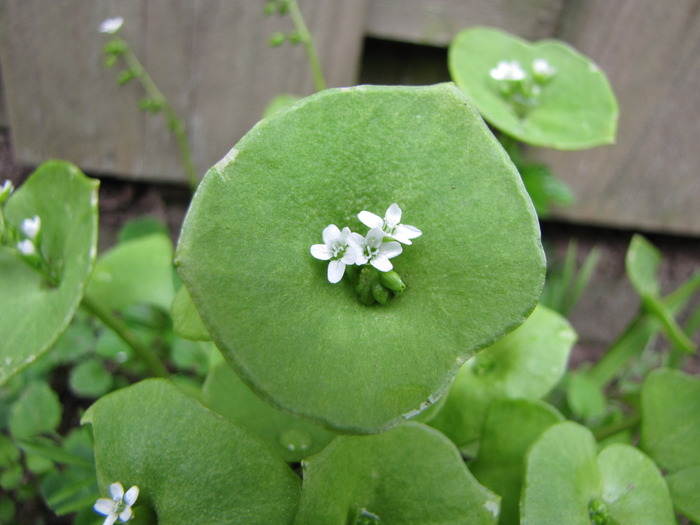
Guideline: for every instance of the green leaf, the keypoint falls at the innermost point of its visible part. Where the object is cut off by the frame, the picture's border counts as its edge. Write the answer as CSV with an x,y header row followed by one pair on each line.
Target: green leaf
x,y
134,272
90,378
544,188
565,482
191,465
142,227
35,315
37,411
186,320
9,453
585,396
670,430
292,438
527,363
576,110
410,474
311,347
509,429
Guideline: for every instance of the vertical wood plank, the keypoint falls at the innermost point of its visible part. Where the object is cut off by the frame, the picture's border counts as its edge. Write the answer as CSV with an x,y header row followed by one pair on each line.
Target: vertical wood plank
x,y
651,53
210,58
436,22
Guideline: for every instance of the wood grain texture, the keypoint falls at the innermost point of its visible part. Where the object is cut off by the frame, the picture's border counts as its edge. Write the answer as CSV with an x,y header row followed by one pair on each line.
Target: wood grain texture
x,y
436,22
210,58
650,179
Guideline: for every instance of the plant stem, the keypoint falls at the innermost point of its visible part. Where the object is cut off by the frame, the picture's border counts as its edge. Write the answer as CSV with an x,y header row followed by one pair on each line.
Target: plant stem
x,y
174,123
120,328
614,428
306,38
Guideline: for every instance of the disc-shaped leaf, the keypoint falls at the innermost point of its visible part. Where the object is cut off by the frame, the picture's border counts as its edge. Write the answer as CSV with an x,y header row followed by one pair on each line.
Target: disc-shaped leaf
x,y
567,482
34,314
410,474
190,464
312,347
292,438
135,271
575,108
527,363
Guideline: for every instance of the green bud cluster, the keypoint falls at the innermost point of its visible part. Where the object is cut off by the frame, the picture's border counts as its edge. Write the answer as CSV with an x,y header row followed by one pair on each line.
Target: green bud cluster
x,y
374,286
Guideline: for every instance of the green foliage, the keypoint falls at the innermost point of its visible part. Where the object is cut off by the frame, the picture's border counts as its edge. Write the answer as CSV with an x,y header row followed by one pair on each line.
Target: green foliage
x,y
38,411
410,474
311,347
35,313
575,109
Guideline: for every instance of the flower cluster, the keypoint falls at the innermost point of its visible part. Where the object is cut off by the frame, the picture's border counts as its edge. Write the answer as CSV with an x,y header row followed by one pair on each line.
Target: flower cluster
x,y
383,242
119,506
522,87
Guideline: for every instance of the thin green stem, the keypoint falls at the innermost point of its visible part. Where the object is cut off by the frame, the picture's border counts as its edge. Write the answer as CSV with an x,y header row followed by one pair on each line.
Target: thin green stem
x,y
308,41
614,428
175,124
120,328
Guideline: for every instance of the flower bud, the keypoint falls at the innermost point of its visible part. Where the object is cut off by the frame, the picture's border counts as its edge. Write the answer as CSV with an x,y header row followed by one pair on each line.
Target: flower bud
x,y
392,281
5,191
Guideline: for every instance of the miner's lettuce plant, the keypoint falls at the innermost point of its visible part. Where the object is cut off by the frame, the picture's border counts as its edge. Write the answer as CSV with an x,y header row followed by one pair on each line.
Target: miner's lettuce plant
x,y
316,362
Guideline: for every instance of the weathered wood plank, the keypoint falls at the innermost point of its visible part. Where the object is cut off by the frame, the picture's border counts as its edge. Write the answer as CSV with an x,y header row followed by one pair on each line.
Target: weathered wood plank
x,y
436,22
651,53
211,58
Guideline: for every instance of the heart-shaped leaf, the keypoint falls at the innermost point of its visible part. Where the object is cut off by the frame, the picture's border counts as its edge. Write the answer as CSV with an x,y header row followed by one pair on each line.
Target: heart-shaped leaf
x,y
527,363
35,314
574,109
410,474
567,482
311,347
190,464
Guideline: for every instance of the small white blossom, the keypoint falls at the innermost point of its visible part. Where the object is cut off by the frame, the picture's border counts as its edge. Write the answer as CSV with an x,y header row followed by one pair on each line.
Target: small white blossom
x,y
26,247
111,25
339,247
31,227
6,190
543,69
508,71
375,251
390,224
119,507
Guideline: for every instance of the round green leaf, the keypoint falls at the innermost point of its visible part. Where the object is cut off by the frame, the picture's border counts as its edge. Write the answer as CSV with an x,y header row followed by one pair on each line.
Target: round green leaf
x,y
37,411
576,110
190,464
510,427
133,272
33,313
311,347
186,320
671,419
527,363
90,378
565,482
410,474
684,486
292,438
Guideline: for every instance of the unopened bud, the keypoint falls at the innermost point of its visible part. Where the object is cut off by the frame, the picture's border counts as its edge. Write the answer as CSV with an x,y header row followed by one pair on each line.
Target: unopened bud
x,y
392,281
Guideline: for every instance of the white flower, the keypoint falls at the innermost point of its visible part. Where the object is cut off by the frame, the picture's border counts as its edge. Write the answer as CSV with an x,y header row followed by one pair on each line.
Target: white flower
x,y
390,224
507,71
543,69
120,504
111,25
6,189
375,251
26,247
339,247
31,227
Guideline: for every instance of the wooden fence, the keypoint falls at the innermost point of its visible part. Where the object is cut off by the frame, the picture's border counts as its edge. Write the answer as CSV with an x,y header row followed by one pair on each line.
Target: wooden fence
x,y
212,60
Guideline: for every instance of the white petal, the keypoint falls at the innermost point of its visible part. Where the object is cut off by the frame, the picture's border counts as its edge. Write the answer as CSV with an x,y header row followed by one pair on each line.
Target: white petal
x,y
104,506
351,254
370,220
404,233
336,269
110,520
390,249
375,237
393,215
117,491
125,515
26,247
131,495
330,233
381,263
321,251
